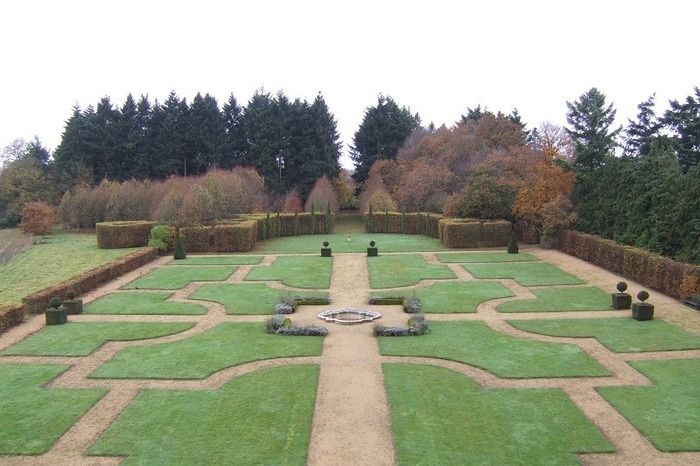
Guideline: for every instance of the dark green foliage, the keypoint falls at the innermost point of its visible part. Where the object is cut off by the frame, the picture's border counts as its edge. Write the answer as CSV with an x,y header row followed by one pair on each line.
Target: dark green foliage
x,y
71,294
56,316
513,245
412,305
643,295
484,197
296,224
55,302
311,300
640,134
276,322
161,238
382,331
621,287
683,119
308,331
179,250
286,305
386,300
642,311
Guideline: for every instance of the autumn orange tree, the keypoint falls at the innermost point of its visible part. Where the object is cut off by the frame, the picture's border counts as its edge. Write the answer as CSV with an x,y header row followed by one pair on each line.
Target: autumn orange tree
x,y
321,196
37,218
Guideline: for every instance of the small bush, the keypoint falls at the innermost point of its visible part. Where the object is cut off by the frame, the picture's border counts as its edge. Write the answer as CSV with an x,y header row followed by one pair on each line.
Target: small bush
x,y
285,305
162,238
308,331
412,305
180,253
276,322
312,300
420,328
513,245
382,331
37,218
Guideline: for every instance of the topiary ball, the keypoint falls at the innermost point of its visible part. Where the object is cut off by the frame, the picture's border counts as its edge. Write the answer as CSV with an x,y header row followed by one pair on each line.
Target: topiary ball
x,y
621,287
55,302
71,294
372,243
643,296
325,244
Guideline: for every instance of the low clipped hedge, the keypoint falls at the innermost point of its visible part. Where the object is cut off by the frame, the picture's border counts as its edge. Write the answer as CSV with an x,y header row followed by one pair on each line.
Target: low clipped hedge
x,y
474,233
652,270
11,315
197,239
114,235
38,302
414,223
236,237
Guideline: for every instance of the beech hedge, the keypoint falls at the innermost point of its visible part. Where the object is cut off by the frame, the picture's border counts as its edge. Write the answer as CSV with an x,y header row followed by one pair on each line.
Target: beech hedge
x,y
474,233
113,235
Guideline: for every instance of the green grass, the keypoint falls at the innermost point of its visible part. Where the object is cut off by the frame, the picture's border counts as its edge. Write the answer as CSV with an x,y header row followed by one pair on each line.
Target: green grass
x,y
296,271
403,270
440,417
386,242
34,418
668,413
197,357
60,257
624,335
249,298
466,257
448,297
81,339
258,418
561,299
474,343
219,260
527,274
174,278
142,302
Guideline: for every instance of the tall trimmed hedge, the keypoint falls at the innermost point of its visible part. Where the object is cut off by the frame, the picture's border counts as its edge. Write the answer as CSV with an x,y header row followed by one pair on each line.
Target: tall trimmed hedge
x,y
474,233
113,235
197,239
239,237
414,223
287,224
11,315
652,270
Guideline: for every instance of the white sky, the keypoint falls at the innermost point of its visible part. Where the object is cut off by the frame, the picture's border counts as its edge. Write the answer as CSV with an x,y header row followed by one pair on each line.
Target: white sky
x,y
438,57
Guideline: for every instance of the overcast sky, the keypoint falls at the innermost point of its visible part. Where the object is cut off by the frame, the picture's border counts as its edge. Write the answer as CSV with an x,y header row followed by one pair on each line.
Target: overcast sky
x,y
437,57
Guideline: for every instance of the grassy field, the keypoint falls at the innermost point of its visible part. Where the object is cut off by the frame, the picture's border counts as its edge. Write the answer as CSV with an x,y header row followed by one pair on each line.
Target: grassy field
x,y
668,412
34,417
624,335
174,277
61,257
561,299
199,356
258,418
141,302
451,297
476,344
219,260
296,271
12,242
440,417
466,257
81,339
403,270
252,298
527,274
386,242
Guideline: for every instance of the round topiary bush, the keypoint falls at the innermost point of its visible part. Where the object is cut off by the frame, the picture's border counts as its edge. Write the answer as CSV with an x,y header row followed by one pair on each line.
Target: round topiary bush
x,y
372,244
71,294
621,287
325,244
643,295
55,302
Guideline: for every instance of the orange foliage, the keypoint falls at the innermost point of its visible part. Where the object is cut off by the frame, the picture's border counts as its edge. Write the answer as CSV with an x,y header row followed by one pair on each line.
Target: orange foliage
x,y
292,203
37,218
322,196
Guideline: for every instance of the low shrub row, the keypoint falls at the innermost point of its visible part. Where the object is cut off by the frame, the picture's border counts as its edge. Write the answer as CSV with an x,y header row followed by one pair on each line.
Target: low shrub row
x,y
10,315
474,233
415,223
38,302
113,235
282,325
652,270
386,300
417,325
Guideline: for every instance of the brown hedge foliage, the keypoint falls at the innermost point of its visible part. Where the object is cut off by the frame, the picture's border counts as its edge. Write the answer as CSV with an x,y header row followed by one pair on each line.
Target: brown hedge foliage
x,y
474,233
112,235
414,223
652,270
11,315
38,302
239,237
197,239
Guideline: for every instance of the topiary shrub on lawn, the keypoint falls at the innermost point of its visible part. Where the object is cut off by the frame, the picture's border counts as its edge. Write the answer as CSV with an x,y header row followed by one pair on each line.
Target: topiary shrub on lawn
x,y
412,305
276,322
513,245
179,250
285,305
162,238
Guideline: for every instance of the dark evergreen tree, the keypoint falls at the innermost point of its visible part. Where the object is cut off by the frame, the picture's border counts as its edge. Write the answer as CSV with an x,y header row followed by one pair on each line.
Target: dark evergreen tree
x,y
205,134
590,122
639,134
140,158
262,134
683,119
235,145
169,127
382,132
473,114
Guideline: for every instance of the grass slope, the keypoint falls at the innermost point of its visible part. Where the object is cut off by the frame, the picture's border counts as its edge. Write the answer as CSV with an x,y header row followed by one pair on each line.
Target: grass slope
x,y
81,339
386,242
403,270
174,277
250,298
561,299
460,423
474,343
142,302
219,260
34,418
451,297
259,418
668,413
60,257
527,274
466,257
296,271
197,357
624,335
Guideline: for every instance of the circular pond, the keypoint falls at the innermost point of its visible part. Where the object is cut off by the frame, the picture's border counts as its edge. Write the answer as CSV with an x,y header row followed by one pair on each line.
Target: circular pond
x,y
348,316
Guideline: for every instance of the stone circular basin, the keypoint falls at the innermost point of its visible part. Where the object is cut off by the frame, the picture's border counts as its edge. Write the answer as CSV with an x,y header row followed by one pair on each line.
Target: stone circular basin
x,y
348,316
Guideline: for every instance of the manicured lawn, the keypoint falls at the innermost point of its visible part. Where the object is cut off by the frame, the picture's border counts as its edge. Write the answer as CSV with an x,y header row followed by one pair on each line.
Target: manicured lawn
x,y
249,298
561,299
527,274
386,242
296,271
60,257
668,413
466,257
225,345
34,418
403,270
441,417
258,418
175,277
219,260
624,335
448,297
474,343
141,302
81,339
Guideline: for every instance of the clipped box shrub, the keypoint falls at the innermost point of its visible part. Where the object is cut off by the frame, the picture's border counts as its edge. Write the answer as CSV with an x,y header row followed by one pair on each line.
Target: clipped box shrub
x,y
496,233
11,315
197,239
114,235
308,331
238,237
311,300
386,300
